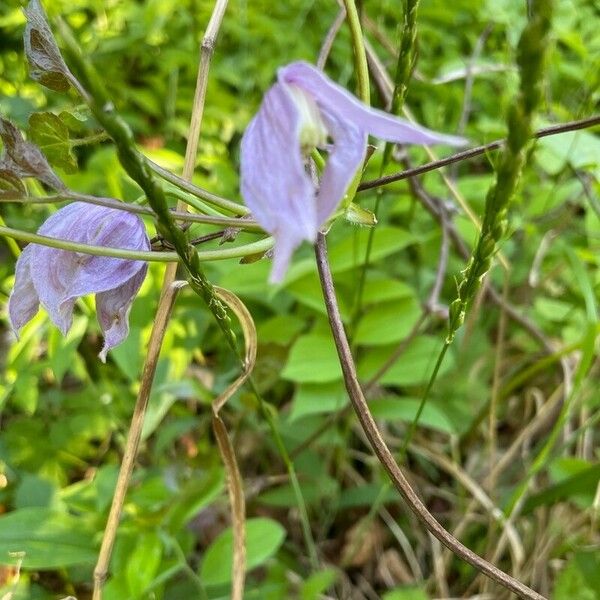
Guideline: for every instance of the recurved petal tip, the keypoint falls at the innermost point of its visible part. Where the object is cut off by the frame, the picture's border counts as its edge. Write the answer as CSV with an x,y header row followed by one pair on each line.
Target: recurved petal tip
x,y
113,309
339,101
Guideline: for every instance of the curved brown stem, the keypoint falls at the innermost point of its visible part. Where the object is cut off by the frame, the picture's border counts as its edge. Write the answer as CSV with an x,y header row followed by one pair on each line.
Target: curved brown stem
x,y
383,452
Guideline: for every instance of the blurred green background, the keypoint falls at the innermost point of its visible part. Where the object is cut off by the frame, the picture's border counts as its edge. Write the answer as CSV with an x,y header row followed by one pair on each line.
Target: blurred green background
x,y
64,415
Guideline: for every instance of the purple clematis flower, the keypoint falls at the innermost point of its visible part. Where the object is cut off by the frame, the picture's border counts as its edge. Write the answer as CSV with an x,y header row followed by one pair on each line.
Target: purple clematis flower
x,y
301,112
56,278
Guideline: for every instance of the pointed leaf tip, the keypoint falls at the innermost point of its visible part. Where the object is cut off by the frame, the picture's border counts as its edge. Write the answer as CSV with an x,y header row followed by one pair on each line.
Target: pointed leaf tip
x,y
45,60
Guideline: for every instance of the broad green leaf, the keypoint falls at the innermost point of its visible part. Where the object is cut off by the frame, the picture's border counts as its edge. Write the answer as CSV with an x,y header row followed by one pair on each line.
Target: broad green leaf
x,y
62,349
317,584
48,539
281,329
349,251
405,409
143,563
388,323
366,495
35,491
380,289
317,398
579,149
577,481
263,539
313,359
52,136
193,496
406,593
412,368
573,583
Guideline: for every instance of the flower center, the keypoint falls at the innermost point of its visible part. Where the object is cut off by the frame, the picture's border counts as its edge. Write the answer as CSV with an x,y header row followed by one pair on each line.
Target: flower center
x,y
313,132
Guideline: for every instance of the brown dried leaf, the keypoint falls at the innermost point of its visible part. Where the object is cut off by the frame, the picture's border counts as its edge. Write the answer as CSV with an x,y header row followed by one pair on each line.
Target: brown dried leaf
x,y
24,159
46,63
11,186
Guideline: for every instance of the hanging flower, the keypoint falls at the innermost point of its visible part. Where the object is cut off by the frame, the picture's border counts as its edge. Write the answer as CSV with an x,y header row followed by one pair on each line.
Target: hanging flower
x,y
301,112
57,278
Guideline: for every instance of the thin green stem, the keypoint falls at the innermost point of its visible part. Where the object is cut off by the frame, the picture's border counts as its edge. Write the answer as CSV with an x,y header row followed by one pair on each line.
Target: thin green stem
x,y
214,219
90,139
360,54
44,240
225,203
404,68
170,257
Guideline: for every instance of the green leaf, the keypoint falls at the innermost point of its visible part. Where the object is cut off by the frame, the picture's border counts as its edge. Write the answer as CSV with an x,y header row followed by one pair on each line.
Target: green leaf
x,y
62,349
35,491
143,563
313,359
263,539
582,484
192,497
281,329
48,539
313,399
52,136
579,149
412,368
406,593
388,323
573,583
405,409
318,583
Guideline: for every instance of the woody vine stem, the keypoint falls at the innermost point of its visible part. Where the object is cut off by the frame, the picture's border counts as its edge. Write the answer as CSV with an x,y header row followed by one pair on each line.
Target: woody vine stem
x,y
361,408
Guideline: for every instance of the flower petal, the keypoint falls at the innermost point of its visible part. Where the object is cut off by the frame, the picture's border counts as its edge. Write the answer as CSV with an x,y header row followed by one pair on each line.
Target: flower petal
x,y
60,276
330,96
345,158
23,303
274,182
112,308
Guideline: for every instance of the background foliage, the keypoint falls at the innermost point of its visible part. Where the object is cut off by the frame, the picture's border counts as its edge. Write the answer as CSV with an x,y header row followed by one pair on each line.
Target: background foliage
x,y
64,415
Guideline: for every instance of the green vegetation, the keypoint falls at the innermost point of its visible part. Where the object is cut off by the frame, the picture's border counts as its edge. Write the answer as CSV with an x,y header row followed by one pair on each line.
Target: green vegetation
x,y
505,449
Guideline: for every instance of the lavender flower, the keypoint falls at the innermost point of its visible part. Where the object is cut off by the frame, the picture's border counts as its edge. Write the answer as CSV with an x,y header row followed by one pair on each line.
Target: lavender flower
x,y
299,113
56,278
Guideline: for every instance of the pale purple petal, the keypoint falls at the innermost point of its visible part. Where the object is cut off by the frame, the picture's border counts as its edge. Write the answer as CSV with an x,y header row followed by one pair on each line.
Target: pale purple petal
x,y
60,276
345,158
23,303
334,98
274,182
112,308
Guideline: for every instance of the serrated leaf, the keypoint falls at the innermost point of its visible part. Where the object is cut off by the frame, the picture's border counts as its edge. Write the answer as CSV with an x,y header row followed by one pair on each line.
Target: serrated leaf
x,y
24,159
75,121
46,63
52,136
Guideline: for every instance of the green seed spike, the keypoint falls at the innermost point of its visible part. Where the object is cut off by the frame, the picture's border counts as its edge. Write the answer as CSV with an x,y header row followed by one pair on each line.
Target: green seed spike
x,y
531,53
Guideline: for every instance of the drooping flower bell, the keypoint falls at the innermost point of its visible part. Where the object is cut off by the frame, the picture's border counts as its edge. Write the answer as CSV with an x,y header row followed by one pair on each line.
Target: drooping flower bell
x,y
57,278
301,112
